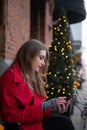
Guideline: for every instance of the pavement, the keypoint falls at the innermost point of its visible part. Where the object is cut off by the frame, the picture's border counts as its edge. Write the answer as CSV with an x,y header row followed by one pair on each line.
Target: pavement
x,y
82,97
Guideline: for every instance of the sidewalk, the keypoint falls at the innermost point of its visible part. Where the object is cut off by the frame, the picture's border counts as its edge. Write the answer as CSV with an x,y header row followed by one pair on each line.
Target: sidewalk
x,y
76,117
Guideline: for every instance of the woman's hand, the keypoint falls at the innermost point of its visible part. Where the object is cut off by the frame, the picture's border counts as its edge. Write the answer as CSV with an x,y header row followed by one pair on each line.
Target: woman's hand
x,y
62,103
68,102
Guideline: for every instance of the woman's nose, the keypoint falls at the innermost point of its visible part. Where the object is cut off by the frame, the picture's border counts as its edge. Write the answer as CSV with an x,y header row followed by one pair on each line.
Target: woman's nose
x,y
43,62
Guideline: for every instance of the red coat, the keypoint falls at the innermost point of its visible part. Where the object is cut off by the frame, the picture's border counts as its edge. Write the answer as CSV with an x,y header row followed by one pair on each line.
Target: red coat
x,y
18,103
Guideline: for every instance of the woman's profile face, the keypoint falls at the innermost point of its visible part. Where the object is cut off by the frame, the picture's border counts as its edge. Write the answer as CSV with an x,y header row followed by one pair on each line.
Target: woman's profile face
x,y
39,60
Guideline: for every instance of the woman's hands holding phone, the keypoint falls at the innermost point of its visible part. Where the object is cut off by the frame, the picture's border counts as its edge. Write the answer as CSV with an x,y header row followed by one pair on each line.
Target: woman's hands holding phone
x,y
63,103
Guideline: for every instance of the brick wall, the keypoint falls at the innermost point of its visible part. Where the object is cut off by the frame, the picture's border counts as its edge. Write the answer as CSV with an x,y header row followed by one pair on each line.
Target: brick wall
x,y
2,41
17,26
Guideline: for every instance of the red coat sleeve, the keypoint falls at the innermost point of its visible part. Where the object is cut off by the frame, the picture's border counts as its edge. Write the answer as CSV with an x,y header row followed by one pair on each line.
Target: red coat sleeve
x,y
16,101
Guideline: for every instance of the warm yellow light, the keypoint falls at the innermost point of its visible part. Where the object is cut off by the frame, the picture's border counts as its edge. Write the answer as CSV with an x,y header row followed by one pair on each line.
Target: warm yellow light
x,y
77,83
64,17
67,43
70,47
70,42
58,91
58,42
61,77
59,19
67,77
58,29
50,45
63,89
55,48
69,94
55,39
65,68
62,53
66,56
62,50
61,33
47,91
49,72
63,92
64,20
54,28
51,93
69,73
46,86
74,88
46,97
55,75
59,25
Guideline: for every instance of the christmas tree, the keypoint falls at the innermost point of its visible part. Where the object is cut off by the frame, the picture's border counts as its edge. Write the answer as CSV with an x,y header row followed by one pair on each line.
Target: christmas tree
x,y
61,68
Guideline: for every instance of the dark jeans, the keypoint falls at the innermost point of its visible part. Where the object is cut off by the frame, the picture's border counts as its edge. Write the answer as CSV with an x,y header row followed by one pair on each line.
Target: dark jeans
x,y
58,123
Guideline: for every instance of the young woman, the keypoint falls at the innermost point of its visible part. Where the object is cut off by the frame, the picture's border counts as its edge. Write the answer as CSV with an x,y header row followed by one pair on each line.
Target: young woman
x,y
22,92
